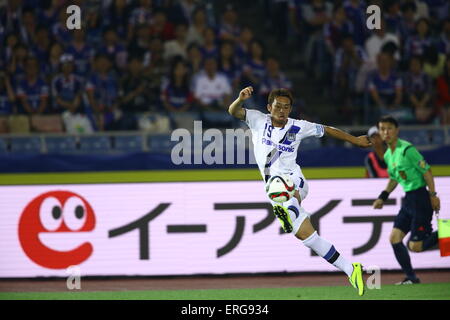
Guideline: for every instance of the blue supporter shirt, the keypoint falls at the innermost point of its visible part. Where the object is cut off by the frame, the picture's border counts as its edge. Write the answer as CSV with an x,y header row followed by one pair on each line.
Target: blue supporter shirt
x,y
33,92
82,59
177,96
385,86
358,18
105,89
66,89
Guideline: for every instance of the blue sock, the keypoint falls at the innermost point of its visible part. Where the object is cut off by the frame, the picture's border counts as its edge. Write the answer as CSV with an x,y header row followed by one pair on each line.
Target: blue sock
x,y
402,256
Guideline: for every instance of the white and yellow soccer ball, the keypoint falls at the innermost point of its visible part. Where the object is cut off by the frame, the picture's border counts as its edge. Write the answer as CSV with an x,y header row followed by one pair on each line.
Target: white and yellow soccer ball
x,y
280,188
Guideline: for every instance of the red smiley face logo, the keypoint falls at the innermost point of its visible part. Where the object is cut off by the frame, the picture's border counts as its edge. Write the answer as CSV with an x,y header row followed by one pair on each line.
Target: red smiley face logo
x,y
56,213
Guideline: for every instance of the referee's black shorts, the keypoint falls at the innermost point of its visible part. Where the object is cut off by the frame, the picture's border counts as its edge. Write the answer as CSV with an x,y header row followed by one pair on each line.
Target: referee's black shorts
x,y
415,214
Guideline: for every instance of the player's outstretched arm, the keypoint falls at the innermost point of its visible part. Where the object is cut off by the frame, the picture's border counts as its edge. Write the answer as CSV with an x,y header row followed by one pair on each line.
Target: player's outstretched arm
x,y
378,204
235,108
361,141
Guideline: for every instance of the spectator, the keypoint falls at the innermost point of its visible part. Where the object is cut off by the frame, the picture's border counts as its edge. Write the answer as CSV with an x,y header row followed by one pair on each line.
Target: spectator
x,y
347,63
16,67
94,27
392,16
198,27
417,43
209,48
160,27
42,46
6,54
49,15
176,94
374,161
156,68
82,53
334,30
243,45
443,93
421,8
212,94
139,45
229,28
134,94
386,89
273,79
7,96
227,63
407,26
195,59
254,69
355,11
418,90
118,17
316,14
377,40
438,9
142,15
59,30
444,38
28,27
102,91
434,62
115,51
178,46
32,91
183,10
56,51
67,88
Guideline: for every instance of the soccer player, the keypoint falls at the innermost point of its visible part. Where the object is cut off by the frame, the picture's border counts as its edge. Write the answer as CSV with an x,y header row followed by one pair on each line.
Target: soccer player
x,y
276,138
407,167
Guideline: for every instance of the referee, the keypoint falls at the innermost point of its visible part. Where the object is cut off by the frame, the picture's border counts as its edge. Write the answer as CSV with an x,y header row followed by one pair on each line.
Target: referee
x,y
407,167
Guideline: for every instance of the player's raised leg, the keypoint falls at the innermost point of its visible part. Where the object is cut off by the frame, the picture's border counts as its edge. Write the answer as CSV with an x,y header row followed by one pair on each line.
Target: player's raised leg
x,y
311,239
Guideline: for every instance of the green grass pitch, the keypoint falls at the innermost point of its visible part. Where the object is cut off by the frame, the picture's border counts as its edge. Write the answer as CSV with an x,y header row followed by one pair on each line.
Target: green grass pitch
x,y
430,291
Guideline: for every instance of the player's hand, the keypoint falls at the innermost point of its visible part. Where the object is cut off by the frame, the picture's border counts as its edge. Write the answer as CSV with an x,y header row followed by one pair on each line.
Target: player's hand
x,y
378,204
362,141
435,204
245,93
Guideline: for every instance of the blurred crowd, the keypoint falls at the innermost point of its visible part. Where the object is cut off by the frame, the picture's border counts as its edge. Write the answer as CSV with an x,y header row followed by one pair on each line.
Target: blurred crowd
x,y
402,68
134,64
161,64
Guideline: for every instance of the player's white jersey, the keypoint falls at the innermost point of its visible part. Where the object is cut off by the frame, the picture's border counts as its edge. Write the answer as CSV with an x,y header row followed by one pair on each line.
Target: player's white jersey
x,y
276,148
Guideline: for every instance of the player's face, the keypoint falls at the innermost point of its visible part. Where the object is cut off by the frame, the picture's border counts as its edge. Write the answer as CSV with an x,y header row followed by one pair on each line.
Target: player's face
x,y
388,132
280,109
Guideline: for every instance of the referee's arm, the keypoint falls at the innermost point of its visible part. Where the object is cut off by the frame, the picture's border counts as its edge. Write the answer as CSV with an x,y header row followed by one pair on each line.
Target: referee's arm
x,y
392,184
435,201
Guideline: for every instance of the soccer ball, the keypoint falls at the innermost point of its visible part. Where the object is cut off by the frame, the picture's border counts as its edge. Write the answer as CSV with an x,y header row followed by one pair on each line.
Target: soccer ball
x,y
280,188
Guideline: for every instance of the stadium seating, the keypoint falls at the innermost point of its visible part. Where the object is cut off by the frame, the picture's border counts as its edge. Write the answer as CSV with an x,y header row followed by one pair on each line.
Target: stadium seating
x,y
47,123
160,143
95,144
437,137
4,127
416,137
3,146
60,145
26,144
128,143
310,143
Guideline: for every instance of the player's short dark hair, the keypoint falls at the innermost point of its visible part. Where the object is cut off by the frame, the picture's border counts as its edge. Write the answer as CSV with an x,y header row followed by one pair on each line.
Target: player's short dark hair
x,y
281,92
388,119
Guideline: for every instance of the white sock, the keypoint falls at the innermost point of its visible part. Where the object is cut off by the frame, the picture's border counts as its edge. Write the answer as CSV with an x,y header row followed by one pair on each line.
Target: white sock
x,y
327,251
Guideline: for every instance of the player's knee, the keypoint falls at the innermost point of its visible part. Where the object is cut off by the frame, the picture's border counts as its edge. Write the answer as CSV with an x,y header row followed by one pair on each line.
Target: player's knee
x,y
396,236
415,246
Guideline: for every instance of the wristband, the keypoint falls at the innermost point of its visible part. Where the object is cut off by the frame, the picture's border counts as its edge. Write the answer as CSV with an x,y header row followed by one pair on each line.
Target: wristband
x,y
432,194
383,195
